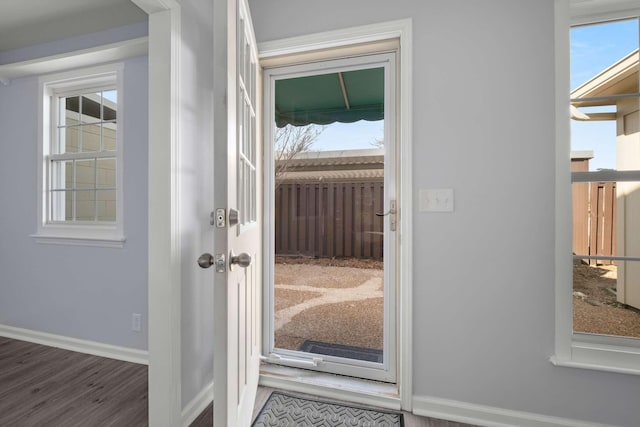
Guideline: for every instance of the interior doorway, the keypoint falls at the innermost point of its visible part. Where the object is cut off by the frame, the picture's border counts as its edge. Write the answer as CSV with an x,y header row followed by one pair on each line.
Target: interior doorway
x,y
331,205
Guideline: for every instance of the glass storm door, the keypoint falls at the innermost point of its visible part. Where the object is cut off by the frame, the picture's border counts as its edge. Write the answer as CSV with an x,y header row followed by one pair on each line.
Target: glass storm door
x,y
330,216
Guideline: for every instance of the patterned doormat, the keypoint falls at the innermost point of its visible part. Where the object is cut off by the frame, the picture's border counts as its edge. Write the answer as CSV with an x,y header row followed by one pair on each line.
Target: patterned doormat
x,y
283,410
340,350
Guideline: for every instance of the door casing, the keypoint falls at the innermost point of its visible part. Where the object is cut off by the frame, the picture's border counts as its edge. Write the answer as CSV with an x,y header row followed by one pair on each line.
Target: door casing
x,y
401,30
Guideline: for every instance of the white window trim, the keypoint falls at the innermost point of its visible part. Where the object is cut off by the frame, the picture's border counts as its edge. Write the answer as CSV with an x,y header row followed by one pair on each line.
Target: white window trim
x,y
105,235
577,350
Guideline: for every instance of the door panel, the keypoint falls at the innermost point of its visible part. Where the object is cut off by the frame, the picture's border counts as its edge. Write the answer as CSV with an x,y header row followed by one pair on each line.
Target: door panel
x,y
237,296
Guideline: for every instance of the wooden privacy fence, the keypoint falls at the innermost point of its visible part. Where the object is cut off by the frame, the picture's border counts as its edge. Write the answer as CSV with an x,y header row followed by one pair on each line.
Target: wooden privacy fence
x,y
594,219
327,220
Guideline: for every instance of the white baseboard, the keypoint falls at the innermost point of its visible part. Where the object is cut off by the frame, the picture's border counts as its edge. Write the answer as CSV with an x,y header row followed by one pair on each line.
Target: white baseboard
x,y
197,405
73,344
488,416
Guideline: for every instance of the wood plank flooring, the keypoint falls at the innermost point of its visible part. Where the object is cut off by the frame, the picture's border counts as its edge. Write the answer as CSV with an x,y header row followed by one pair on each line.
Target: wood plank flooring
x,y
45,386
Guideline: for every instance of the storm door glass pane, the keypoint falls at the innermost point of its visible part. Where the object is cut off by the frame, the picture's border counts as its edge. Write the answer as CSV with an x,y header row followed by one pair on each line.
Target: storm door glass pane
x,y
329,185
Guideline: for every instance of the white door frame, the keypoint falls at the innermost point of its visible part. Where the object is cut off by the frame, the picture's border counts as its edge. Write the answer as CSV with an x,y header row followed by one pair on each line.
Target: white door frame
x,y
401,30
164,290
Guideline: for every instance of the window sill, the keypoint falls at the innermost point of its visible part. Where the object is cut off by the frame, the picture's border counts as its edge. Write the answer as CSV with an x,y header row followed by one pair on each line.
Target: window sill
x,y
105,242
609,354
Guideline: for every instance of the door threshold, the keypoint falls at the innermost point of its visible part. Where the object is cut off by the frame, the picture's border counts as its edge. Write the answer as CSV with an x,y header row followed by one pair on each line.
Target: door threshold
x,y
332,386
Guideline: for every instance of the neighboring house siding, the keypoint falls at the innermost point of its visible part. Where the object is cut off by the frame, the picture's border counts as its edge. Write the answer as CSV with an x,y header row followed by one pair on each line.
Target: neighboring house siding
x,y
628,158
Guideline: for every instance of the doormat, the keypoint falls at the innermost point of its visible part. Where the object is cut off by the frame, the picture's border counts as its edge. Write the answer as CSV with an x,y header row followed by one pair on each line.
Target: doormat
x,y
283,410
339,350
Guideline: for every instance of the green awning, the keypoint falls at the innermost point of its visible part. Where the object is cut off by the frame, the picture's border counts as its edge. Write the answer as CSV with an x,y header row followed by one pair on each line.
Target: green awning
x,y
344,97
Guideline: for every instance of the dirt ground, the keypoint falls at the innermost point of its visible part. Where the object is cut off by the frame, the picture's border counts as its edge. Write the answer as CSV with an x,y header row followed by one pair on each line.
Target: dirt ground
x,y
595,308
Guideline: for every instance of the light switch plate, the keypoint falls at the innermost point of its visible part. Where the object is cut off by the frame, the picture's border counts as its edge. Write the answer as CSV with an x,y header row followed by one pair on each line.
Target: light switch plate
x,y
435,200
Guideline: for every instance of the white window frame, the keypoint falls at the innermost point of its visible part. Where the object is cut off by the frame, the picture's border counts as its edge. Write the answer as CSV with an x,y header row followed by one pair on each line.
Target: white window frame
x,y
578,350
77,233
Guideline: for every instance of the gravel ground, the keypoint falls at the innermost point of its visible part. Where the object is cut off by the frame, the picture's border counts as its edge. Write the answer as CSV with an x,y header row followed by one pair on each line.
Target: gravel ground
x,y
360,322
338,303
605,319
595,307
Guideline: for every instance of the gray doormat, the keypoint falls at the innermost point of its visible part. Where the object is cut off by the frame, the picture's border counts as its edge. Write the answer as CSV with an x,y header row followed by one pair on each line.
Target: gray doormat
x,y
339,350
283,410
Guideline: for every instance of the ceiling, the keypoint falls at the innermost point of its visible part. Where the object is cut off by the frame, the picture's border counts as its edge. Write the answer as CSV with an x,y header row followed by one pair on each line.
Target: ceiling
x,y
30,22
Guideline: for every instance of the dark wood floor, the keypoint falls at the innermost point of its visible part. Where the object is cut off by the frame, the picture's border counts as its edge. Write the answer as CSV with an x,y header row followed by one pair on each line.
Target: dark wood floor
x,y
46,386
49,387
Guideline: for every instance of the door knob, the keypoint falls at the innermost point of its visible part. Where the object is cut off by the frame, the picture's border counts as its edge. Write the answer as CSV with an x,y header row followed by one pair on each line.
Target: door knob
x,y
206,260
243,260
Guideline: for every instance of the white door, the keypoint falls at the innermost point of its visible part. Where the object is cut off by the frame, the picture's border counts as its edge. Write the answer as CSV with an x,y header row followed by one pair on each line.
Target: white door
x,y
238,284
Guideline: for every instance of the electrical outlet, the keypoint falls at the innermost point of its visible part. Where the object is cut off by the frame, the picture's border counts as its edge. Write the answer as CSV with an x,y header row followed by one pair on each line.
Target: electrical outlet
x,y
136,322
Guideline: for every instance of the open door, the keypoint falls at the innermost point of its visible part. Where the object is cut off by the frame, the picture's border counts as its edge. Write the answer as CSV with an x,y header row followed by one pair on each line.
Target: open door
x,y
238,218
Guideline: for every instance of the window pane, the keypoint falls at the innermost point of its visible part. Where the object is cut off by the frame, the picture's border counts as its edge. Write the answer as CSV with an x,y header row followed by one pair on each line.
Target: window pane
x,y
106,205
601,297
109,136
61,205
90,107
241,192
605,136
62,175
254,213
69,111
91,136
68,140
85,205
106,173
85,174
109,105
595,47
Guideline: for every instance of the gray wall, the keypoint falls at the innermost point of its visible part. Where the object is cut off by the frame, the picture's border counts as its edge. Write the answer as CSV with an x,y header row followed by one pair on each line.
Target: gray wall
x,y
483,87
196,193
87,293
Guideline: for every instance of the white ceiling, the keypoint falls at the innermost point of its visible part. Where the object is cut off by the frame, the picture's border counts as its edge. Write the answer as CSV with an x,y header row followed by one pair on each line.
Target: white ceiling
x,y
29,22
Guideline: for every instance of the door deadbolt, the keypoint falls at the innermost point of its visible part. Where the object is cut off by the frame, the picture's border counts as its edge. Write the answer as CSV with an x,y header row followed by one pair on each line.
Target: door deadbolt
x,y
218,218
